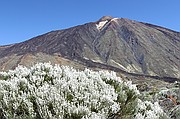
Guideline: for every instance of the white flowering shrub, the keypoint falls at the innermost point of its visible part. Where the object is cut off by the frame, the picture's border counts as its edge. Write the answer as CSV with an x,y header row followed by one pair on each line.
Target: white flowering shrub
x,y
45,91
168,98
148,110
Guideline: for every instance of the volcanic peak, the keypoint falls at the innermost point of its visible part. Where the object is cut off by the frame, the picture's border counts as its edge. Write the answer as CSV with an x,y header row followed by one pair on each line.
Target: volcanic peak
x,y
104,18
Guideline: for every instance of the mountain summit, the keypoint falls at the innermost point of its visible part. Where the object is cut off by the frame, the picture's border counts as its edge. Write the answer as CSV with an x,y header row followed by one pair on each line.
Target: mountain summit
x,y
117,44
104,18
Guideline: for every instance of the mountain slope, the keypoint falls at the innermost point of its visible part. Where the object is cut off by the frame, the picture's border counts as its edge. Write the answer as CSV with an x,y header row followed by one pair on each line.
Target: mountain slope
x,y
110,43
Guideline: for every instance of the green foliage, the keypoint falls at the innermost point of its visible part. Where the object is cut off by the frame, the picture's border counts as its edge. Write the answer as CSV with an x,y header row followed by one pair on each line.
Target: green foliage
x,y
175,112
4,77
128,103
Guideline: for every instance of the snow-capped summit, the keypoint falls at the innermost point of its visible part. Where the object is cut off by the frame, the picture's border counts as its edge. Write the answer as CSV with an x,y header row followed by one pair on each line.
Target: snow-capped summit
x,y
101,24
103,21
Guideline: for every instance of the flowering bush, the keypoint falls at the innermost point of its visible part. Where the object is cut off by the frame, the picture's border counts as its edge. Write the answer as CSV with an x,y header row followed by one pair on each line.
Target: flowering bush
x,y
45,91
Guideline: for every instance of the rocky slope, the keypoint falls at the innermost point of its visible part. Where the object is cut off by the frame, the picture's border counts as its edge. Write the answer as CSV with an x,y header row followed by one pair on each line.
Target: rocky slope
x,y
123,45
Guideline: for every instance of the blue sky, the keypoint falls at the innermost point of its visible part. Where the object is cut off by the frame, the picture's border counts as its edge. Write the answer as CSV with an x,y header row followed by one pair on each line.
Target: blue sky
x,y
21,20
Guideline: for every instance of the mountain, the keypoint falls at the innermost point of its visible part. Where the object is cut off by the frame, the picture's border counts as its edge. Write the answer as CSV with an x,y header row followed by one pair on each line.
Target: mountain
x,y
118,44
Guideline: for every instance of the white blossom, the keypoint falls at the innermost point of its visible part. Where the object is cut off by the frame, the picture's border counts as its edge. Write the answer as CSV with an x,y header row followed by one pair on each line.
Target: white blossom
x,y
61,92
